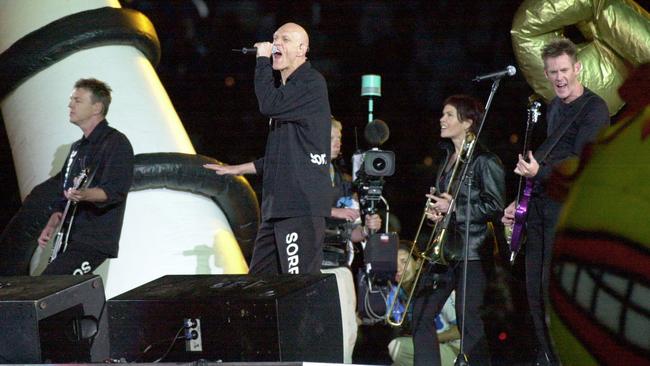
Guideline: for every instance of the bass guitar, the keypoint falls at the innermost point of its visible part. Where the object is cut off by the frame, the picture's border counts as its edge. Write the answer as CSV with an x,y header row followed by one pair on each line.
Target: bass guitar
x,y
515,233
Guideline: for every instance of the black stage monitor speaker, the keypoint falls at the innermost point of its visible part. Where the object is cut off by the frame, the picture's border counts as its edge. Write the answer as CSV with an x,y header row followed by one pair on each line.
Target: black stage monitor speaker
x,y
229,318
52,319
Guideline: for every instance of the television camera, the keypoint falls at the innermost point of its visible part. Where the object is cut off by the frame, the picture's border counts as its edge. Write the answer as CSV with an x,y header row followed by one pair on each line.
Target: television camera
x,y
371,166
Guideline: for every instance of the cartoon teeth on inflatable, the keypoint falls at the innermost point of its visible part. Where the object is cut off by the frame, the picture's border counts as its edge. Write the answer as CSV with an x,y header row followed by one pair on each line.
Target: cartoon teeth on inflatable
x,y
180,218
600,276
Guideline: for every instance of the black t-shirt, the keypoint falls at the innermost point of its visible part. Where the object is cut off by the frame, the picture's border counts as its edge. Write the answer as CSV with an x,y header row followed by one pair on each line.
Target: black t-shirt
x,y
587,122
108,155
295,167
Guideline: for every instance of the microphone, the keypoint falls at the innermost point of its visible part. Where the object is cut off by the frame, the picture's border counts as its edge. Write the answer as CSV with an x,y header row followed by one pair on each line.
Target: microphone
x,y
252,50
245,50
376,132
509,71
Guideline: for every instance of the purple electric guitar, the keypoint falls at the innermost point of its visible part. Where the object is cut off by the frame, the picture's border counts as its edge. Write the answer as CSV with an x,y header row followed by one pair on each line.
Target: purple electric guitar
x,y
515,237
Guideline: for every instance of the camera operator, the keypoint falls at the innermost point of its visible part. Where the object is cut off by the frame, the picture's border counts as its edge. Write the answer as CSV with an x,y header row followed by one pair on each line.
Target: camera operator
x,y
344,213
345,205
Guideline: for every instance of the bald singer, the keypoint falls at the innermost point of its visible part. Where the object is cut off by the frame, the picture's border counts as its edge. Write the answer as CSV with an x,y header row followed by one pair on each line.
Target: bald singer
x,y
295,166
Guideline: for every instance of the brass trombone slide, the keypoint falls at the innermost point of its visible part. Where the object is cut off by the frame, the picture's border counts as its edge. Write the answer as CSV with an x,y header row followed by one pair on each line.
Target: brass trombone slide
x,y
434,250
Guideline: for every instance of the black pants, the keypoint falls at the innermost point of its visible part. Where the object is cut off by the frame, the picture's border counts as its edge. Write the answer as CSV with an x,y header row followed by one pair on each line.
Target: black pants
x,y
75,262
429,302
543,214
292,245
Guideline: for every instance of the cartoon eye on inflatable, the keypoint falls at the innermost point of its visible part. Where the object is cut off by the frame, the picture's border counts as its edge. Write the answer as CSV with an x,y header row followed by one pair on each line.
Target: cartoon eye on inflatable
x,y
617,34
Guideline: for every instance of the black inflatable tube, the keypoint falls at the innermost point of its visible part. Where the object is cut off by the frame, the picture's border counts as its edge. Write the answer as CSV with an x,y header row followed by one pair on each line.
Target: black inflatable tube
x,y
87,29
185,172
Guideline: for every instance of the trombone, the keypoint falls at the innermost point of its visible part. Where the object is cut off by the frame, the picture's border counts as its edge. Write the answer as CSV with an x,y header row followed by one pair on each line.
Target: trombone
x,y
434,248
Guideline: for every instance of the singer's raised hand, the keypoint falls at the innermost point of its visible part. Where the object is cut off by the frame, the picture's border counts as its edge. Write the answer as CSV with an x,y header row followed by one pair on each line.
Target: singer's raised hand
x,y
264,49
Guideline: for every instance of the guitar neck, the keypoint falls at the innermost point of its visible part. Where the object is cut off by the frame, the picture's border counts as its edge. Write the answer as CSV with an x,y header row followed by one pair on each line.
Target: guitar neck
x,y
524,153
519,190
83,182
64,216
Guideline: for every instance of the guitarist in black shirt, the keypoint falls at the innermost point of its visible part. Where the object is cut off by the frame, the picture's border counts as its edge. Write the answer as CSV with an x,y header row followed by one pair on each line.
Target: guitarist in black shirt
x,y
574,118
105,155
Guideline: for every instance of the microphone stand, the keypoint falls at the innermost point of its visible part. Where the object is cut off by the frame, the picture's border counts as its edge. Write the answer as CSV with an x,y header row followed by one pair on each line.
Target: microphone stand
x,y
462,359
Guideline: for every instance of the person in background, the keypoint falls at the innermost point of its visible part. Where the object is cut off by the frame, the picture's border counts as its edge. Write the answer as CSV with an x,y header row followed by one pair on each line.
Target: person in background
x,y
345,205
345,213
401,348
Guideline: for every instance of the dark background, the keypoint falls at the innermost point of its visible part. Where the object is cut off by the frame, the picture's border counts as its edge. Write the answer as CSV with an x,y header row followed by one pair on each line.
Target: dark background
x,y
424,52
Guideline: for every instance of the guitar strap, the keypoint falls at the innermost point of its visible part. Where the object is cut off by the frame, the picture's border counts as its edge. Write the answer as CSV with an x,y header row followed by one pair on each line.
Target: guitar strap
x,y
547,147
68,165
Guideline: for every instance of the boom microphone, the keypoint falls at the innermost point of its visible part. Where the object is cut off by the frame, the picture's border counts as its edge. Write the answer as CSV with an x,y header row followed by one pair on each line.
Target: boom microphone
x,y
376,132
509,71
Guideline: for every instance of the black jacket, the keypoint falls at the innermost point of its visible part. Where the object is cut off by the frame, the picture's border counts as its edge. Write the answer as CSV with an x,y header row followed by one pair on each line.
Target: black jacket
x,y
295,167
487,200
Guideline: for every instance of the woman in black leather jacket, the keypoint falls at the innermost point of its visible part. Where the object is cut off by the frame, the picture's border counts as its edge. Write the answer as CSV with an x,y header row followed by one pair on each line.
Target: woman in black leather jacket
x,y
461,114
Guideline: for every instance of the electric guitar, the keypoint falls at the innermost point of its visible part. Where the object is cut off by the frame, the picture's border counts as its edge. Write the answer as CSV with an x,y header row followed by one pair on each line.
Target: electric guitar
x,y
59,242
65,225
515,234
44,255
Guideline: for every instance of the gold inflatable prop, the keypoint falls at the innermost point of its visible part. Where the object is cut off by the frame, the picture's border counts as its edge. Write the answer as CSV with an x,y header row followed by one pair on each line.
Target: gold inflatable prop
x,y
617,34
